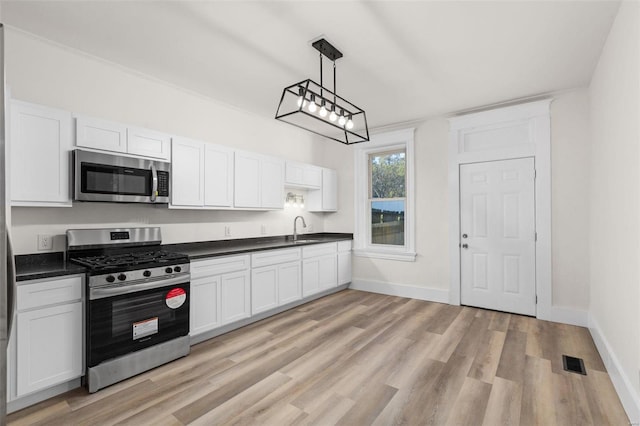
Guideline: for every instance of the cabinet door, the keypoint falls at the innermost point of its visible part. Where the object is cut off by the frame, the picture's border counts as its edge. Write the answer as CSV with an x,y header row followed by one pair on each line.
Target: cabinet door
x,y
235,296
148,143
272,183
328,271
218,176
344,267
40,144
101,134
329,190
205,304
49,347
264,289
310,276
246,180
187,184
289,283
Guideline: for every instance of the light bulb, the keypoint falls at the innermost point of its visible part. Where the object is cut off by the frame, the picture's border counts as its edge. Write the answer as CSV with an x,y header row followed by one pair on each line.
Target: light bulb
x,y
302,206
349,123
342,120
323,110
300,100
333,116
312,106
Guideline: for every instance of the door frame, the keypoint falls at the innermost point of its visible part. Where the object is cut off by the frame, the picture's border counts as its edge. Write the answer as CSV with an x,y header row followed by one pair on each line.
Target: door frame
x,y
472,139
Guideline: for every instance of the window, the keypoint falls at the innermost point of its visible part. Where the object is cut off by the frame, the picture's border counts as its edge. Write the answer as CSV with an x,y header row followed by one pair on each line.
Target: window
x,y
384,192
387,197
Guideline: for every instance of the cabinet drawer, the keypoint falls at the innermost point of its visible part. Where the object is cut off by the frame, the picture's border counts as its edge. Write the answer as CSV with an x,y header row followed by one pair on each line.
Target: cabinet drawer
x,y
319,250
49,292
219,265
344,245
273,257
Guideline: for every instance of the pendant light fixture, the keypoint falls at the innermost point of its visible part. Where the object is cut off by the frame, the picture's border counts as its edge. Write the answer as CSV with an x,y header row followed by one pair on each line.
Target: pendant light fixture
x,y
315,108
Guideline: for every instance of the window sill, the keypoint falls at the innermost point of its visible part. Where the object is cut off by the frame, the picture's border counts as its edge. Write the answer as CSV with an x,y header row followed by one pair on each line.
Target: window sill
x,y
388,255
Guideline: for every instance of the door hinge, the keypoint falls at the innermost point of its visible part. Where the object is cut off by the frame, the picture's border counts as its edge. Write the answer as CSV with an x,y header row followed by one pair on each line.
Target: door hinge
x,y
535,174
536,299
536,236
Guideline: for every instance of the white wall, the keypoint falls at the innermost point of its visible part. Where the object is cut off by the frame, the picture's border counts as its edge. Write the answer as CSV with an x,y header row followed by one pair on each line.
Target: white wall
x,y
41,72
615,205
570,218
570,156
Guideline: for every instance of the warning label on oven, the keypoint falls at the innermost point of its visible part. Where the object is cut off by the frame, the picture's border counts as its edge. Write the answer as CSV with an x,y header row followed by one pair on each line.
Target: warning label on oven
x,y
145,328
176,298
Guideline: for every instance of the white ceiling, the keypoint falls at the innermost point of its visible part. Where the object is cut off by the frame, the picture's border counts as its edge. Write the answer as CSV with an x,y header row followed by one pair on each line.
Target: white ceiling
x,y
402,60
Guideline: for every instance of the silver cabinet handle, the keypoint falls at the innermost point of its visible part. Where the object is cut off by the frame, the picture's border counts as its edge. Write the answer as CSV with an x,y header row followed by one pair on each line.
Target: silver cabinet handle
x,y
154,188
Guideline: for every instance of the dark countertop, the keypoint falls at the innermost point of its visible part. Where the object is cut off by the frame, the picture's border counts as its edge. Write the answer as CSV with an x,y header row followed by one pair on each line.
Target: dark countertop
x,y
245,245
47,265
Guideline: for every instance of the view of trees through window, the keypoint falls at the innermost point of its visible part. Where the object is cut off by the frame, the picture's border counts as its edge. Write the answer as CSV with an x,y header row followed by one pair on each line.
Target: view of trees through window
x,y
387,197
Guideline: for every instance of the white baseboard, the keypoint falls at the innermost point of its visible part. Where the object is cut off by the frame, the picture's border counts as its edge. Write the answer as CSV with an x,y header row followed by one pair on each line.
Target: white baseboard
x,y
628,395
567,316
402,290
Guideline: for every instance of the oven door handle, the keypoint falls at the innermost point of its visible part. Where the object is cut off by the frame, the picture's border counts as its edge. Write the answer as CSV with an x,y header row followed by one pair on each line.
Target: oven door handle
x,y
154,188
117,290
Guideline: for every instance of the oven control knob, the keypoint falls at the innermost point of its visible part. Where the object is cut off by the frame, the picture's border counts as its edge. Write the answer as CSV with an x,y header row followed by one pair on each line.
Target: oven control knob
x,y
147,273
168,270
177,269
110,278
122,277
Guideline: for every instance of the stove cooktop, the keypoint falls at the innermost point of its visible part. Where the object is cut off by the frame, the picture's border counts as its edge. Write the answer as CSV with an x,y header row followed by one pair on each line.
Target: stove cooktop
x,y
128,260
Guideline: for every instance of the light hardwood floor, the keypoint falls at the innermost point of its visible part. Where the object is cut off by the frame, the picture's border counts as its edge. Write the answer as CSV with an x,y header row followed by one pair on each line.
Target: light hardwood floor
x,y
356,358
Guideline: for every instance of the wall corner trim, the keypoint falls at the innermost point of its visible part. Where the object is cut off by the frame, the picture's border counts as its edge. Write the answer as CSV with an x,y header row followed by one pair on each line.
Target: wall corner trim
x,y
621,382
401,290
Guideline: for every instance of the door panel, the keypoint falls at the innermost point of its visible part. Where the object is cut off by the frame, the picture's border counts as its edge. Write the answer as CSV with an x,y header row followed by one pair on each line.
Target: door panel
x,y
497,223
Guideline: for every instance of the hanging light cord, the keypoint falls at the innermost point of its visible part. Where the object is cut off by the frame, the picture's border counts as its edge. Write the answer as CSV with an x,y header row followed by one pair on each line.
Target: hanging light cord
x,y
321,73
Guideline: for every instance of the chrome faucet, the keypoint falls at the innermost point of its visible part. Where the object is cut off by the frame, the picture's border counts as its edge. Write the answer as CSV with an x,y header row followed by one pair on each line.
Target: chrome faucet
x,y
295,230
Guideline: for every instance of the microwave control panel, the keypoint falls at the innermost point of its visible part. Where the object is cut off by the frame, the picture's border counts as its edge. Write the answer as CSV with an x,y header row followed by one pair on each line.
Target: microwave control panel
x,y
163,184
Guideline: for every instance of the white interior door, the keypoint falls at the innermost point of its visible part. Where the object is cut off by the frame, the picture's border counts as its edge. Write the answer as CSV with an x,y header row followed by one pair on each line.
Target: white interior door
x,y
497,235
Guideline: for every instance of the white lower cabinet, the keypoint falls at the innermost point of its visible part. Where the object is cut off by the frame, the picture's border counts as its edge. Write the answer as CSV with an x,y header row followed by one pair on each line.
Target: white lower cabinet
x,y
220,292
49,326
235,296
276,279
319,268
344,262
205,304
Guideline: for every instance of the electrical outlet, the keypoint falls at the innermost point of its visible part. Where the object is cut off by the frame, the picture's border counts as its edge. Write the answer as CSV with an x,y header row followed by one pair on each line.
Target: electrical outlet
x,y
45,242
227,231
263,229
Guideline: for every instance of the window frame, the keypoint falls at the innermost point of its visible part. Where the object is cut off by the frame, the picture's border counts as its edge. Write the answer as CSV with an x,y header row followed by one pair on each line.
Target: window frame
x,y
380,143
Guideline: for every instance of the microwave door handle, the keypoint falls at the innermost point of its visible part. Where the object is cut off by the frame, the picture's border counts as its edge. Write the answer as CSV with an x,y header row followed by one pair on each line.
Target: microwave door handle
x,y
154,188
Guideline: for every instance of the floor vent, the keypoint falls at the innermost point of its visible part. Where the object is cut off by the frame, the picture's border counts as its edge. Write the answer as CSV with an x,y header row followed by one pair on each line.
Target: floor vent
x,y
575,365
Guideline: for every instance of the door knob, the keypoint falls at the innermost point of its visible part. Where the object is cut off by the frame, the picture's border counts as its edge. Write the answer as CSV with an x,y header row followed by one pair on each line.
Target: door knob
x,y
465,246
464,235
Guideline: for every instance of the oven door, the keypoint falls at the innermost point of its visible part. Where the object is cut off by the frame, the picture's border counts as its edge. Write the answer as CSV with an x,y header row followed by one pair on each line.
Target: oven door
x,y
105,177
126,321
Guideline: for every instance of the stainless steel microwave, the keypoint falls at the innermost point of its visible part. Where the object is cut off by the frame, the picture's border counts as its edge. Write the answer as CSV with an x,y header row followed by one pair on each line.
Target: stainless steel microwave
x,y
115,178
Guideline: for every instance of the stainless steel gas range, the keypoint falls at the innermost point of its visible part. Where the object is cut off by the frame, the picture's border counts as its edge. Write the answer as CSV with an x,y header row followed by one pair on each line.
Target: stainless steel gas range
x,y
138,296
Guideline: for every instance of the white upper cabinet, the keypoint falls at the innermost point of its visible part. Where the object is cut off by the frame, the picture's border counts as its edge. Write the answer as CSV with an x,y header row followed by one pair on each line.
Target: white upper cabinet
x,y
258,182
218,176
201,175
272,183
324,199
148,143
299,175
101,134
111,136
187,174
40,141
